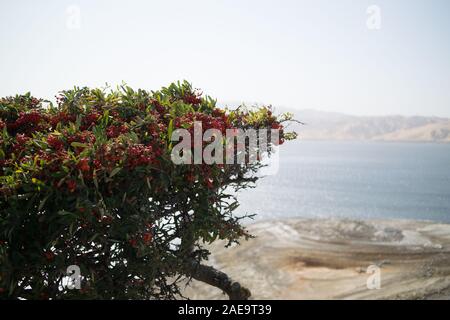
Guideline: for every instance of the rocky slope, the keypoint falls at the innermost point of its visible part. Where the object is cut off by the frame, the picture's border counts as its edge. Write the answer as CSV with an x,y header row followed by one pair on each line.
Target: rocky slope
x,y
334,126
329,259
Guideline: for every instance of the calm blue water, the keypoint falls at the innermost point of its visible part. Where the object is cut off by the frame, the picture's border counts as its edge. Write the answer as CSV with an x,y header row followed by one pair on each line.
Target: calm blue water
x,y
356,180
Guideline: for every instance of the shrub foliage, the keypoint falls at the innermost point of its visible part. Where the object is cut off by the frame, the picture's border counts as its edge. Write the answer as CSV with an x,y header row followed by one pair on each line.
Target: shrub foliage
x,y
89,181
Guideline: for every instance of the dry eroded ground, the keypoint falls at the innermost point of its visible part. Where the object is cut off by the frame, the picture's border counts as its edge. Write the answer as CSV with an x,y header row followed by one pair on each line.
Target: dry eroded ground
x,y
328,259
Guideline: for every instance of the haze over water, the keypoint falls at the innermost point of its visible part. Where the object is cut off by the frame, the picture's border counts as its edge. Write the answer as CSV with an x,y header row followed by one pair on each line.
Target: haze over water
x,y
355,180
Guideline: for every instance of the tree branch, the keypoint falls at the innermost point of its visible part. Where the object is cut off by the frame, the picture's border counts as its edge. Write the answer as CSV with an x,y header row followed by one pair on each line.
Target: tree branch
x,y
207,274
217,279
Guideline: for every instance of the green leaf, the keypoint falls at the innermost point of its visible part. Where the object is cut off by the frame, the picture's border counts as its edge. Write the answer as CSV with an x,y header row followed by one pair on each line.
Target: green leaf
x,y
95,182
41,205
115,171
170,130
67,213
93,237
79,145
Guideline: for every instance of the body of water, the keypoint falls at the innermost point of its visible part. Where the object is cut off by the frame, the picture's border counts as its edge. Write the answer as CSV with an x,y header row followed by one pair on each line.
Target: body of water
x,y
355,180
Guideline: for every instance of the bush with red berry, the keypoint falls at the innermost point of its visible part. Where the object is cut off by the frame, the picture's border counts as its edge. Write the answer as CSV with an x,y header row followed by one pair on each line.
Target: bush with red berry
x,y
89,181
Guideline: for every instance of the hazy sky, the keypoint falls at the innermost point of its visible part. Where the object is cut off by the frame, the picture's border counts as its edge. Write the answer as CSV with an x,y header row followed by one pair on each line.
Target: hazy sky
x,y
297,54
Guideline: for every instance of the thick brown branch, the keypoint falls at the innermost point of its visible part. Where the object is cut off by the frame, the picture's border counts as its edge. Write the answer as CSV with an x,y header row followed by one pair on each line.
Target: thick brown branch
x,y
217,279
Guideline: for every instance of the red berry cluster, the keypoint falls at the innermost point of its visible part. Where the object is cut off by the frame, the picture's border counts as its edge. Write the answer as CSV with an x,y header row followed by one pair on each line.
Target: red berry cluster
x,y
27,122
116,130
90,120
192,99
55,142
160,109
209,121
140,155
83,165
62,118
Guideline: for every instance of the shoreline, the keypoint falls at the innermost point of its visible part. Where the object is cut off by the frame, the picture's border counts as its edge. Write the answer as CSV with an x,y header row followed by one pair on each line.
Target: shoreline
x,y
303,258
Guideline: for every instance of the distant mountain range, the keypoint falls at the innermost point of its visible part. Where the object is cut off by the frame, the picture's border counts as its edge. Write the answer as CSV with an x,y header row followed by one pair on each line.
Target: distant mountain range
x,y
321,125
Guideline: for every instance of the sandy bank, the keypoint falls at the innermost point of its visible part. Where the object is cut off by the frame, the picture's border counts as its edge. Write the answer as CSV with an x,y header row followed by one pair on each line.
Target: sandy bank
x,y
328,259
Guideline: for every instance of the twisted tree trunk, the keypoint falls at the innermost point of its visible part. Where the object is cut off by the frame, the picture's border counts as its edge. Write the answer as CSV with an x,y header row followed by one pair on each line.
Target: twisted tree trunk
x,y
208,274
218,279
